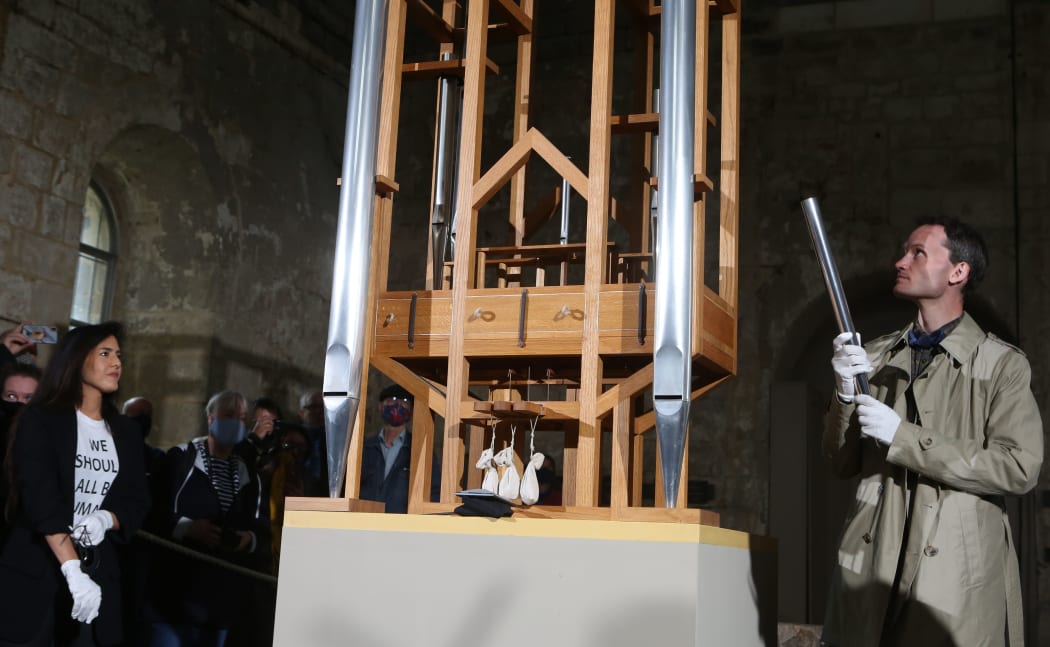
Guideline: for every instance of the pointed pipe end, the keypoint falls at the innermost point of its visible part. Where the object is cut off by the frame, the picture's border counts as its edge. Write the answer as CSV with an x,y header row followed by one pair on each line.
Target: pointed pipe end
x,y
340,414
672,428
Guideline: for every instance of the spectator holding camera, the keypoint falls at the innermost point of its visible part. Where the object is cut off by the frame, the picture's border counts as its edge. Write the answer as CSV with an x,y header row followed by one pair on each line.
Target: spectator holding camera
x,y
79,489
214,505
260,445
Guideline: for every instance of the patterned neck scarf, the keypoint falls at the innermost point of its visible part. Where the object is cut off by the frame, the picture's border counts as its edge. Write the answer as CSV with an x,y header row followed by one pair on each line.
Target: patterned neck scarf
x,y
924,345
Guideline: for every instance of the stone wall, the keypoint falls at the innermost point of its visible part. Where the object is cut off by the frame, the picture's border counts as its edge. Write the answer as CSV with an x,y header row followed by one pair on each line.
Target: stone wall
x,y
215,130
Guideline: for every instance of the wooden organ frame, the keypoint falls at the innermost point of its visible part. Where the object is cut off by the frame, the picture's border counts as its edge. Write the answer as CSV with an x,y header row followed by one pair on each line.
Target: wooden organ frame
x,y
441,342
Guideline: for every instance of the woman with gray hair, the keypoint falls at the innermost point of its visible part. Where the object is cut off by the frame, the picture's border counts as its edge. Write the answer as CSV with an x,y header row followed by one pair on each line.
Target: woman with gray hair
x,y
214,504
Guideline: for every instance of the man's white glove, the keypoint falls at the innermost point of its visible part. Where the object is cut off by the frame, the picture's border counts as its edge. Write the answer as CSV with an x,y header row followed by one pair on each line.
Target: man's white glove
x,y
92,529
876,419
849,360
87,596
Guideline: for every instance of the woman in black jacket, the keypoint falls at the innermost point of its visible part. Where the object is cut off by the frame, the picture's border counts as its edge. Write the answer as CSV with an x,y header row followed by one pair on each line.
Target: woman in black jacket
x,y
79,488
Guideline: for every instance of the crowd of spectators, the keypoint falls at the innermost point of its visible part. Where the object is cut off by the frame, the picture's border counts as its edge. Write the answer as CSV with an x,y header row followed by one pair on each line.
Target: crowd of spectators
x,y
153,547
122,543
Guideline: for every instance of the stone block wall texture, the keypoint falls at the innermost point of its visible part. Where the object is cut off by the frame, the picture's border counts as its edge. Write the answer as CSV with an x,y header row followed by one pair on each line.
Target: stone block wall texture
x,y
216,129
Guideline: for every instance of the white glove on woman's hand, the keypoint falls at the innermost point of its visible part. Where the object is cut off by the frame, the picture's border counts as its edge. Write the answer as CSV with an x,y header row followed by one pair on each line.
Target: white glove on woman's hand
x,y
849,360
92,529
876,419
87,596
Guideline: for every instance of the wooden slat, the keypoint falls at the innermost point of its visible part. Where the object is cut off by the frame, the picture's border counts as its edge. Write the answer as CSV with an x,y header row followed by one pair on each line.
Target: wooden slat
x,y
647,515
386,185
424,393
647,122
637,467
631,386
556,410
435,69
729,181
520,21
588,457
463,271
620,472
421,460
522,92
700,83
500,172
561,164
635,123
701,185
725,7
323,504
431,23
390,91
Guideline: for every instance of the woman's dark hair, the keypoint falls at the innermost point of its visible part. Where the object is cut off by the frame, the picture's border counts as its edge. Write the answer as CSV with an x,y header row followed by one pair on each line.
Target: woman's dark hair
x,y
18,369
61,385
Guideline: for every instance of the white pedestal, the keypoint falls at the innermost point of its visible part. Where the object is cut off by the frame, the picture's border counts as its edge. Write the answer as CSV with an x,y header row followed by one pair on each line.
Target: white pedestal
x,y
374,580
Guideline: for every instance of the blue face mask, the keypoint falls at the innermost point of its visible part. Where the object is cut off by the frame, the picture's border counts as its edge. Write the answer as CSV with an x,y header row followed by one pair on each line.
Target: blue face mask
x,y
227,431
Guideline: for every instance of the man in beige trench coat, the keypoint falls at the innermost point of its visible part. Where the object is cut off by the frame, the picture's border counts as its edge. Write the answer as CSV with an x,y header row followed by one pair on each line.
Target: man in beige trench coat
x,y
950,428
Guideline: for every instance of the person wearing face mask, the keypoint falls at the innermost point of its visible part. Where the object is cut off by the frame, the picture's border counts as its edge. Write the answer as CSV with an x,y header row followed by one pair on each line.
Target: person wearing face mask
x,y
18,382
215,505
386,457
140,410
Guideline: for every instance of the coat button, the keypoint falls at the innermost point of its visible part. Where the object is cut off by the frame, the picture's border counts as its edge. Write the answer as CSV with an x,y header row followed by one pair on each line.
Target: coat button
x,y
867,538
926,442
930,551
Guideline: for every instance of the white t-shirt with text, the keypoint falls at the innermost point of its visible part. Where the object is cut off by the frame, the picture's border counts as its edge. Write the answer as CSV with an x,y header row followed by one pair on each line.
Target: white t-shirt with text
x,y
95,468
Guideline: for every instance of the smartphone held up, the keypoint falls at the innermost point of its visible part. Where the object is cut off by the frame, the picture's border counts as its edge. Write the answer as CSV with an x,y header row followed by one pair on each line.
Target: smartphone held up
x,y
40,333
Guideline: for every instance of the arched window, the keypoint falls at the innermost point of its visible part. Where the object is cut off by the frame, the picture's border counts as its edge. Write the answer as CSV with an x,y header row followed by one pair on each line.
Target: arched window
x,y
96,271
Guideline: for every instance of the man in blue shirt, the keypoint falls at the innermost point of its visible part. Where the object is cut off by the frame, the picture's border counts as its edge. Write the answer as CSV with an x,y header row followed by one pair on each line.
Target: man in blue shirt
x,y
386,456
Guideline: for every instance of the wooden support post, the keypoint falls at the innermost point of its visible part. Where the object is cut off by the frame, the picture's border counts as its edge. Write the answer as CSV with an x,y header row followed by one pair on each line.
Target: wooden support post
x,y
466,230
522,88
422,459
729,183
620,477
588,457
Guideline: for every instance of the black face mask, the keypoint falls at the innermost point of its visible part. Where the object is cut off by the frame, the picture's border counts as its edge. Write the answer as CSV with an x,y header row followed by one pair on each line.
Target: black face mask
x,y
145,424
10,409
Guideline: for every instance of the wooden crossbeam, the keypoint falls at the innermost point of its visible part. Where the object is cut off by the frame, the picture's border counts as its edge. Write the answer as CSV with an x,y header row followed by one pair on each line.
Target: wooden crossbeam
x,y
646,122
435,69
477,411
431,23
701,184
519,21
422,390
562,165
